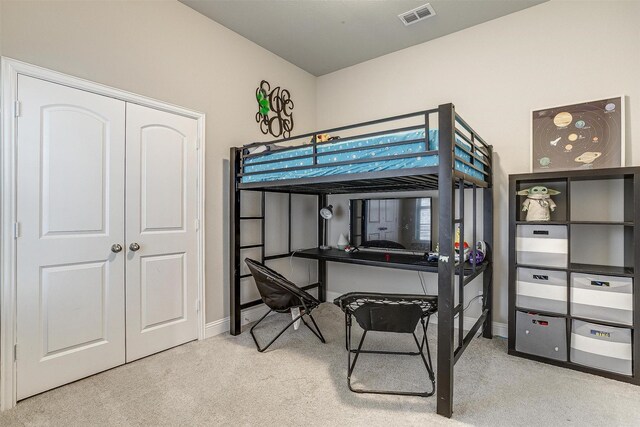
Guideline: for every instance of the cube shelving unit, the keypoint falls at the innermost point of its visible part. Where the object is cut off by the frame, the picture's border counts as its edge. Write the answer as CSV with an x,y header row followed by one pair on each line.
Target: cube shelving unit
x,y
573,297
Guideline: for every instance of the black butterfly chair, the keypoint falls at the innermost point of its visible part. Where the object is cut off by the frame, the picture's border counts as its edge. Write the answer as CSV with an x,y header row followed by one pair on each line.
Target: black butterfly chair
x,y
388,313
281,295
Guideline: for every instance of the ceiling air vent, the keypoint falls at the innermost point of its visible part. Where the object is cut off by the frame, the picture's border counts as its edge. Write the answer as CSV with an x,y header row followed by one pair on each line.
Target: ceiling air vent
x,y
417,14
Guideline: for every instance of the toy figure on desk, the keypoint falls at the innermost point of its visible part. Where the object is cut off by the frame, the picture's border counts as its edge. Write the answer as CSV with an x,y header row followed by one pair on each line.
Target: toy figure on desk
x,y
456,247
538,204
434,256
480,254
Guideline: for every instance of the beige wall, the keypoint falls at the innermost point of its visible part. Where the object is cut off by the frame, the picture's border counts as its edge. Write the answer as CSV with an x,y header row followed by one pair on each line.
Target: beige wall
x,y
1,28
165,50
495,73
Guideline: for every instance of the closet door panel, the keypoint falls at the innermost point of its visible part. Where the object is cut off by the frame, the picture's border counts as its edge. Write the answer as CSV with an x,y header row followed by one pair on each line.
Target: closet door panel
x,y
163,177
70,207
68,165
161,214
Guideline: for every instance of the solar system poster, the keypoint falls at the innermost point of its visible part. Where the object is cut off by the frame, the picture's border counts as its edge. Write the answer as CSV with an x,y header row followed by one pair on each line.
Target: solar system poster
x,y
588,135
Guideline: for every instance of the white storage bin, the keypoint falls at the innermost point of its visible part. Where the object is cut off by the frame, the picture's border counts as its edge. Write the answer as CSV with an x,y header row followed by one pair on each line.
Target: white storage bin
x,y
601,347
607,298
543,290
542,245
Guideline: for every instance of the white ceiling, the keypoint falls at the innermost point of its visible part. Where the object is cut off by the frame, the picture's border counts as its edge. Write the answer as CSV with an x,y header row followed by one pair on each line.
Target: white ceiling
x,y
322,36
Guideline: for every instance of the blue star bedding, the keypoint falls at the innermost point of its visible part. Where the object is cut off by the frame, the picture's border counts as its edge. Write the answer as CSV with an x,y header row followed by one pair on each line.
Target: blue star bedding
x,y
355,149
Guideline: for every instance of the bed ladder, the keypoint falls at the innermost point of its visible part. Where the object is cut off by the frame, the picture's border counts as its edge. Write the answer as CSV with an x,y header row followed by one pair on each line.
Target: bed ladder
x,y
235,255
261,245
449,180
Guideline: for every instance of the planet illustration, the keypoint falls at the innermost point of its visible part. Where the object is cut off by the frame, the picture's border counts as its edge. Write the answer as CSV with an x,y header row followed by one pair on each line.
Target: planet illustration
x,y
588,157
545,161
595,139
610,106
563,119
568,147
580,124
572,137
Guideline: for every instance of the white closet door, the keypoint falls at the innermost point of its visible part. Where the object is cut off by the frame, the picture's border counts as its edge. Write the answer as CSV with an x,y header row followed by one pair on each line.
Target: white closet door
x,y
161,220
70,208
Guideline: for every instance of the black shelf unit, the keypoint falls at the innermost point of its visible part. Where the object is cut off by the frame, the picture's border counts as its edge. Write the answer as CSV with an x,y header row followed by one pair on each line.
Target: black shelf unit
x,y
443,177
630,177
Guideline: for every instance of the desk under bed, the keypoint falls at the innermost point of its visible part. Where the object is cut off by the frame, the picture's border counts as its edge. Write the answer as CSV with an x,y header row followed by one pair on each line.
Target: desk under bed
x,y
449,157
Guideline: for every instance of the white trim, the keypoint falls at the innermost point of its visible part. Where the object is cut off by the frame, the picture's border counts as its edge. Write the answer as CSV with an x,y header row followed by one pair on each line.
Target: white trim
x,y
500,329
9,71
7,254
216,327
223,325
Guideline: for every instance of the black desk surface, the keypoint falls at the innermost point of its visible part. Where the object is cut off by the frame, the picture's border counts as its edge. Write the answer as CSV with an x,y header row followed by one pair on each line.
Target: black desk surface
x,y
389,259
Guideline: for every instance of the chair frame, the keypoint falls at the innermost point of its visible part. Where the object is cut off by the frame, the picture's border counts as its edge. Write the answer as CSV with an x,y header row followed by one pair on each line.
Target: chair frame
x,y
306,311
421,344
306,307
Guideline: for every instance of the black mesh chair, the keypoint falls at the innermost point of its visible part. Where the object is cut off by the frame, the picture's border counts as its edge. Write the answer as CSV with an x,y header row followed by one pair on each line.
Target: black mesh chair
x,y
281,295
388,313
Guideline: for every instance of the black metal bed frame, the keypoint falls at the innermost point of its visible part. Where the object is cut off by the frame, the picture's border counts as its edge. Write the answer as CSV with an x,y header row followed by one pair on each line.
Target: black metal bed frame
x,y
442,177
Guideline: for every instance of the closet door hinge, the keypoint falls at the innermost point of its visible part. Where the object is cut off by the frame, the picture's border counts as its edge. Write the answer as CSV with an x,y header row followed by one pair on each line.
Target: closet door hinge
x,y
197,306
16,109
197,222
16,230
15,352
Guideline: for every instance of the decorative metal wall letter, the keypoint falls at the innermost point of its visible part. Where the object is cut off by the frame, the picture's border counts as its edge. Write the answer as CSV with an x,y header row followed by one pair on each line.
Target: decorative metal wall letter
x,y
278,102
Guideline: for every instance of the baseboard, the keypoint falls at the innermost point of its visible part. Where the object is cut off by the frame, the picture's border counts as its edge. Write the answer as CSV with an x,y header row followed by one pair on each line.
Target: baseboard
x,y
250,315
499,329
221,326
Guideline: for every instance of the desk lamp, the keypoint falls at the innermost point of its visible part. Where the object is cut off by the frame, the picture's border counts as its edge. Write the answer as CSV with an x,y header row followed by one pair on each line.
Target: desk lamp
x,y
326,213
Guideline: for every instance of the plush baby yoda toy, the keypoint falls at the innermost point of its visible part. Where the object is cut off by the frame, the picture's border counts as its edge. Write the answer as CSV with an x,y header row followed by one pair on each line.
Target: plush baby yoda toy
x,y
538,204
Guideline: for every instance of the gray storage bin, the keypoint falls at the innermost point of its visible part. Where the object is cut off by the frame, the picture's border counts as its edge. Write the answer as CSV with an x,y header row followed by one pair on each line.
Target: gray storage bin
x,y
601,347
598,297
544,290
542,245
544,336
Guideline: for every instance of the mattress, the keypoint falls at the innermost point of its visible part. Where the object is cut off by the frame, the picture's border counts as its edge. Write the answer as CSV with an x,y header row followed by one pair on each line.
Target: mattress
x,y
332,157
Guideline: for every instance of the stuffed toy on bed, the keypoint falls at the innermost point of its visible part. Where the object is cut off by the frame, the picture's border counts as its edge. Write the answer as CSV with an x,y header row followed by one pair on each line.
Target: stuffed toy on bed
x,y
323,137
538,203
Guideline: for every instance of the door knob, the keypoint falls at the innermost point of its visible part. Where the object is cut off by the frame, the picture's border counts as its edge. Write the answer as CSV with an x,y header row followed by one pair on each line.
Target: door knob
x,y
134,247
115,248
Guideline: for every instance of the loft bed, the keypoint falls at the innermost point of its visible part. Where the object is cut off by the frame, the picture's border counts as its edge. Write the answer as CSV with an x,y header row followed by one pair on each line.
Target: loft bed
x,y
448,157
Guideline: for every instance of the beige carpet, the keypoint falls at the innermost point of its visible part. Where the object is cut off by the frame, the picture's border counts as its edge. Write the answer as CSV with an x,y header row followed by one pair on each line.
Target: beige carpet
x,y
299,381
